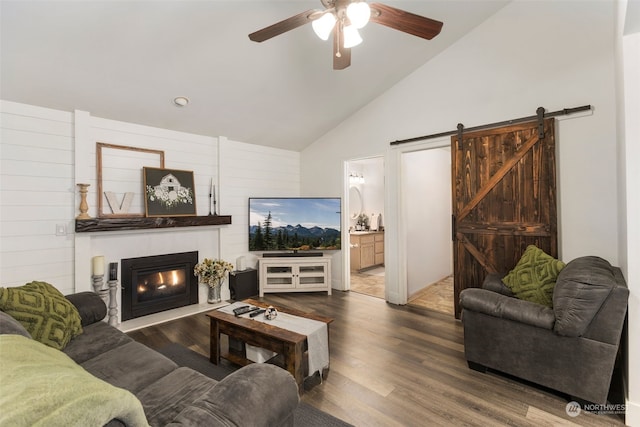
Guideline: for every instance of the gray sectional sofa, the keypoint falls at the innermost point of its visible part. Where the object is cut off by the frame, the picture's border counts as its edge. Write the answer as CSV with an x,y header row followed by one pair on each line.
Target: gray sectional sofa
x,y
256,395
571,347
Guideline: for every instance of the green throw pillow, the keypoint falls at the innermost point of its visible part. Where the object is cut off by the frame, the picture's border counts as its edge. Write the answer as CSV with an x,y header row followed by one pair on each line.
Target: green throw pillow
x,y
43,287
534,277
44,312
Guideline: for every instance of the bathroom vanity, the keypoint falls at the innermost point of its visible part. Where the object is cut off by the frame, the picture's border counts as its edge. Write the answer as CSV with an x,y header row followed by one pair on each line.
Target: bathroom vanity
x,y
366,249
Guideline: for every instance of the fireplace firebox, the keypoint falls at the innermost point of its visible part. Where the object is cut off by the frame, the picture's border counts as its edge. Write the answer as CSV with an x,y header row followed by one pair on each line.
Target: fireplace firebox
x,y
157,283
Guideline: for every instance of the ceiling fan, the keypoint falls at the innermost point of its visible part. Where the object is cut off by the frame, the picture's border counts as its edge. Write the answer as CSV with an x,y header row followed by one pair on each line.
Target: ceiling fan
x,y
343,18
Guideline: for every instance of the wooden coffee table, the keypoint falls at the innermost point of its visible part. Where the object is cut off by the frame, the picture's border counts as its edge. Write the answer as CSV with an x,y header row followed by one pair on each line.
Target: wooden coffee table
x,y
290,345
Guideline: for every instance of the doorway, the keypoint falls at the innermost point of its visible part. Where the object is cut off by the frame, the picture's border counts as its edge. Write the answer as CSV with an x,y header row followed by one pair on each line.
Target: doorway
x,y
366,272
426,203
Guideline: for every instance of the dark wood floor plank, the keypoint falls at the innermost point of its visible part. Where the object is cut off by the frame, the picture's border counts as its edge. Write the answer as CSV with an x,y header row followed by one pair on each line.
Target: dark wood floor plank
x,y
398,366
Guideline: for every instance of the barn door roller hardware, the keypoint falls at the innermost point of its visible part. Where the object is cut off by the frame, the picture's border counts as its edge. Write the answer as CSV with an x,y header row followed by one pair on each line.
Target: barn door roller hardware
x,y
540,116
460,129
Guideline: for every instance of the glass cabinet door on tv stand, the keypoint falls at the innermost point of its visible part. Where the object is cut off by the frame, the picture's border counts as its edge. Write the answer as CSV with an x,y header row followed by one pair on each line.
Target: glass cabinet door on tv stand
x,y
295,274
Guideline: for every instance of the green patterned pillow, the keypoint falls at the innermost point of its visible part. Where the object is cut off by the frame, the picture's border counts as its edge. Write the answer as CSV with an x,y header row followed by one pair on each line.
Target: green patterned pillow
x,y
534,277
44,312
43,287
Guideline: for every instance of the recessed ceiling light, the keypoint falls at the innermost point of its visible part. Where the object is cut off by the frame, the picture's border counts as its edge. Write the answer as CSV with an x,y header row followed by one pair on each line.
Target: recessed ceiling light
x,y
181,101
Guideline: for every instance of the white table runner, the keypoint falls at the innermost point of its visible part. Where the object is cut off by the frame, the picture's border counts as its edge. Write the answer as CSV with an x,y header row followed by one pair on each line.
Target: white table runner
x,y
316,332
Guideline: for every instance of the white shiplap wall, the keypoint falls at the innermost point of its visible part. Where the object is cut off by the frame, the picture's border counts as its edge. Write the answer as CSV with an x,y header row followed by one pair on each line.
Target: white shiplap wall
x,y
182,151
36,193
248,170
44,153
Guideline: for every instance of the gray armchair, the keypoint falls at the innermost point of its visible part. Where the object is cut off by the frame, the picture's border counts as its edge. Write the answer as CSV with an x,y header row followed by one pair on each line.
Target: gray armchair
x,y
570,348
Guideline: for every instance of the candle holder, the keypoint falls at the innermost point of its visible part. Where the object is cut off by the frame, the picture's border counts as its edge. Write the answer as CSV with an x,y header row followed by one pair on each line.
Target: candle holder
x,y
98,288
212,200
84,207
113,302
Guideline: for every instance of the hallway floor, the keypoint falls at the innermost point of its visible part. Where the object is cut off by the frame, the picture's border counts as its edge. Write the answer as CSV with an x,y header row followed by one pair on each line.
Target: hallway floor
x,y
370,282
437,296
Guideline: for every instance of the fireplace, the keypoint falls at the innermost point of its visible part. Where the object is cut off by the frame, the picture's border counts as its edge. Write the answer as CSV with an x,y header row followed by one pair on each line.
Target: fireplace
x,y
157,283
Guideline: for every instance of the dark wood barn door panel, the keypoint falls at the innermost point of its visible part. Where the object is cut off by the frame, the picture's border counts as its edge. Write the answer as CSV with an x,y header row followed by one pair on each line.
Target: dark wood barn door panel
x,y
504,199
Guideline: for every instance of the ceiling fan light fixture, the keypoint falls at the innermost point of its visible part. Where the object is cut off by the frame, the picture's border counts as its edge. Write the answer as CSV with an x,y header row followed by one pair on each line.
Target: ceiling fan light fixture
x,y
351,37
358,13
343,18
324,25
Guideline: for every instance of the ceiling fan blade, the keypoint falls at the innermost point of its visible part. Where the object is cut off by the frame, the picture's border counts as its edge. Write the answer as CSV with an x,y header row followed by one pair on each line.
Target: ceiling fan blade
x,y
283,26
405,21
341,54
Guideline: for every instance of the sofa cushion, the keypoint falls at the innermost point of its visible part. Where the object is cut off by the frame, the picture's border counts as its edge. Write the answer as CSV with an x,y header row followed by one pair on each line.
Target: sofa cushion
x,y
131,366
534,277
249,382
493,282
90,305
41,386
44,312
10,326
581,289
96,339
164,399
497,305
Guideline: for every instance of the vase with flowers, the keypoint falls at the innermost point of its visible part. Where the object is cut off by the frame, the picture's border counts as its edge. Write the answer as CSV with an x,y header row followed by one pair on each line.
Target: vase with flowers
x,y
212,273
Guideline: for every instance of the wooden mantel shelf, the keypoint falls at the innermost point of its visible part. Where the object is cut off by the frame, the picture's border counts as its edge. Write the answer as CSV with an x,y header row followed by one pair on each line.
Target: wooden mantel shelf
x,y
144,223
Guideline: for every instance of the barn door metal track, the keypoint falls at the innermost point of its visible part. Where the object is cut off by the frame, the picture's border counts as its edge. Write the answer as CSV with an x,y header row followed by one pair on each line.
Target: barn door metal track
x,y
540,114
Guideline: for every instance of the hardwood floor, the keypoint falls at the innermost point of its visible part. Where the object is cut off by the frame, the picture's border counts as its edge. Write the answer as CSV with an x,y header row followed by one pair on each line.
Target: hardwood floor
x,y
398,366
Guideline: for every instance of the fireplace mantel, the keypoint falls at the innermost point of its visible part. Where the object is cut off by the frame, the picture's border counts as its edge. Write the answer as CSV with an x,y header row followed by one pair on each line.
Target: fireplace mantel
x,y
145,223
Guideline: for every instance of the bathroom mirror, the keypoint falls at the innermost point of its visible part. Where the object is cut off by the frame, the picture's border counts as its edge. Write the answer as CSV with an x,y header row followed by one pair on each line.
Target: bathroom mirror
x,y
355,202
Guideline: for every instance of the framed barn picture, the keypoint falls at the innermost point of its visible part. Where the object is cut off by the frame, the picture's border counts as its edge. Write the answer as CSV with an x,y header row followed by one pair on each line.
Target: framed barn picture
x,y
168,192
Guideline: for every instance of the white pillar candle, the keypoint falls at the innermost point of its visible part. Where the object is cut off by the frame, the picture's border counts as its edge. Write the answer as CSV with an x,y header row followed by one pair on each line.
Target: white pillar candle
x,y
98,265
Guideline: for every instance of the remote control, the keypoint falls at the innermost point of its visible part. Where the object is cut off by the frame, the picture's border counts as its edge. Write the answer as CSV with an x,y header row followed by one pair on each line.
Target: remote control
x,y
255,313
244,310
240,310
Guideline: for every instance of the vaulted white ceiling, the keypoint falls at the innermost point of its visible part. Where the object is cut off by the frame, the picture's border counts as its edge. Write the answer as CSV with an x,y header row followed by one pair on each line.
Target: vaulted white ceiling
x,y
128,60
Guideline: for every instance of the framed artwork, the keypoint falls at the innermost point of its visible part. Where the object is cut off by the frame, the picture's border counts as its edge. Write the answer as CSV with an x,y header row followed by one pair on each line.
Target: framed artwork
x,y
169,192
119,178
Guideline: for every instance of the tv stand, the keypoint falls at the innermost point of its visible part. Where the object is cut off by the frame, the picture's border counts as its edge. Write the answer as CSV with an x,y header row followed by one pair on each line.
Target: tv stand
x,y
294,254
295,274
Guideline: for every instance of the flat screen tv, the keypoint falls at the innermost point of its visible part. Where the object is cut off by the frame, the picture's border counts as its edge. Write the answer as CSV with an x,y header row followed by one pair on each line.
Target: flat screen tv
x,y
294,223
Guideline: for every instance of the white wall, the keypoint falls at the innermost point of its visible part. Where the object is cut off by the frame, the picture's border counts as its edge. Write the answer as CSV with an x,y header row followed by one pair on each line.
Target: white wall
x,y
36,193
44,153
529,54
249,170
182,151
629,104
426,190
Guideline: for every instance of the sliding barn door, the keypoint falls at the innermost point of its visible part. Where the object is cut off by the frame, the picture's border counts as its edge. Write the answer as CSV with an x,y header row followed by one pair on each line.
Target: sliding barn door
x,y
504,199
